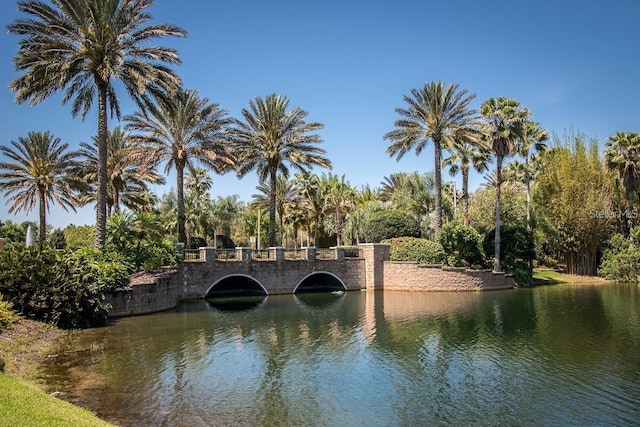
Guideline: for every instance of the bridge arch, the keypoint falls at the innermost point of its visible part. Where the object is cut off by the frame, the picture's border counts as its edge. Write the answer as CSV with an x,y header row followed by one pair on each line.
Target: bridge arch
x,y
236,285
320,281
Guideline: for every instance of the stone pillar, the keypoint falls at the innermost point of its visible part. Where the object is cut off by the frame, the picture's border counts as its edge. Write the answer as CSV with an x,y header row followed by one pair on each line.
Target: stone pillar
x,y
337,252
276,253
374,254
208,254
243,254
309,254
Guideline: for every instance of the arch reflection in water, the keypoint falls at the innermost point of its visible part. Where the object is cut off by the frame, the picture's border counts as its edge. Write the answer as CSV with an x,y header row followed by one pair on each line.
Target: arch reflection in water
x,y
236,303
320,282
319,300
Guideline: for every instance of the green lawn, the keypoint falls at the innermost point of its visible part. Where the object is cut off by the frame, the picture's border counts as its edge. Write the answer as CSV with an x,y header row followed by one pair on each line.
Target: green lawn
x,y
23,404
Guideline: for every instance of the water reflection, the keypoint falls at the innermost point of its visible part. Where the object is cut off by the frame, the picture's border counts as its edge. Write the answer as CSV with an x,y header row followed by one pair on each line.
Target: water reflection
x,y
565,355
236,303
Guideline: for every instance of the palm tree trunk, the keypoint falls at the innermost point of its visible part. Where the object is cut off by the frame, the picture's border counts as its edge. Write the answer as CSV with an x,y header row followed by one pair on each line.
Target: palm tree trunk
x,y
526,176
182,217
497,265
101,199
43,216
272,208
438,188
465,195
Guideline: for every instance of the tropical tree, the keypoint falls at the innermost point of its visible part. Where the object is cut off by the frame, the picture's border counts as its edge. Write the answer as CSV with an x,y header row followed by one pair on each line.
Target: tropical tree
x,y
270,139
622,154
287,196
81,47
505,125
412,192
439,113
183,132
311,189
127,176
464,156
39,171
339,199
534,137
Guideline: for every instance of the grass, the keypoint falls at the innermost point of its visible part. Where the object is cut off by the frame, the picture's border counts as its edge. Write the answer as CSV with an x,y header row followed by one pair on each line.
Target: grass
x,y
22,403
553,277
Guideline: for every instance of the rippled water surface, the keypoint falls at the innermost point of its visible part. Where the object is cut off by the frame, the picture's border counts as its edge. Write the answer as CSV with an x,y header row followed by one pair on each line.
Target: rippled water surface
x,y
566,355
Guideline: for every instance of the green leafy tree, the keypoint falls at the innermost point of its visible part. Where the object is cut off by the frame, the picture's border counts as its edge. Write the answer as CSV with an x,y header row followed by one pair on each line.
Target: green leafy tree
x,y
388,224
38,173
574,197
270,139
439,113
505,125
183,132
462,244
82,46
422,251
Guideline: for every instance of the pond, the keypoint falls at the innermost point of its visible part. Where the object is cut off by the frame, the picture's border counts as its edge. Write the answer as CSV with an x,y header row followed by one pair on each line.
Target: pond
x,y
558,355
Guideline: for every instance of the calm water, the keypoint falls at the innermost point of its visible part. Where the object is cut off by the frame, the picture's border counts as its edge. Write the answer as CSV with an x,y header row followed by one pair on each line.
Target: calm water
x,y
564,355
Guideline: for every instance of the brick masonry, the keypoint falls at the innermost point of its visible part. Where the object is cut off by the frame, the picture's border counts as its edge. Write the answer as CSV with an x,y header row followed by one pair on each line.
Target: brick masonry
x,y
371,271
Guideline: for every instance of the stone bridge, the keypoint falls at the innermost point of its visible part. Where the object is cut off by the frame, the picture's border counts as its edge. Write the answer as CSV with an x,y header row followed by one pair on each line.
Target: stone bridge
x,y
213,274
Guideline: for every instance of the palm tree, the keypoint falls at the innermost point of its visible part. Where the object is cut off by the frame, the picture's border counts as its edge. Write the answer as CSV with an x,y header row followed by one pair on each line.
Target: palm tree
x,y
311,189
183,132
127,177
533,138
409,191
339,198
622,153
439,113
82,46
505,125
40,172
464,156
269,138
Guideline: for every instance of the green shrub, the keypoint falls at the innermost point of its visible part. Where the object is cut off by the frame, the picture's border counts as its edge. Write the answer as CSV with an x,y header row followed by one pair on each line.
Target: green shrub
x,y
66,290
462,243
621,260
7,316
422,251
389,224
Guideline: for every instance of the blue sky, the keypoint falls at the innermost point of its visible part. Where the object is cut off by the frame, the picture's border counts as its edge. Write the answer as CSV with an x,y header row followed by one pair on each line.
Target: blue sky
x,y
574,64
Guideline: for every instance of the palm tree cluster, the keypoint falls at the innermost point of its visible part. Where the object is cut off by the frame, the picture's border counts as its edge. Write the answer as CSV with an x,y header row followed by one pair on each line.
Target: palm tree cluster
x,y
80,47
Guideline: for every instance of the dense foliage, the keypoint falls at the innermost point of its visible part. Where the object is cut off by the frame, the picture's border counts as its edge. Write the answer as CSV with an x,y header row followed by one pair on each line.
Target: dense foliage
x,y
462,245
7,316
390,224
621,258
422,251
518,249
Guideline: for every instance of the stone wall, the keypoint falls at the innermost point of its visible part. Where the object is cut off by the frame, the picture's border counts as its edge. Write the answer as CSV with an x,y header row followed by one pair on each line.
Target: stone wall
x,y
411,276
149,293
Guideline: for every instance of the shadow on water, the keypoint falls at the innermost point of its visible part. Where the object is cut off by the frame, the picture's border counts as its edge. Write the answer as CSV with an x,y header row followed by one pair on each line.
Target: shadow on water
x,y
242,303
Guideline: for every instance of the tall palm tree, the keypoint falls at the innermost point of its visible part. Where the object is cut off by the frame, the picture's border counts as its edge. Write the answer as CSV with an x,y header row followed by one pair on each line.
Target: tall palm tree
x,y
464,156
271,139
40,171
505,125
183,132
82,46
533,137
439,113
127,177
622,153
339,198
